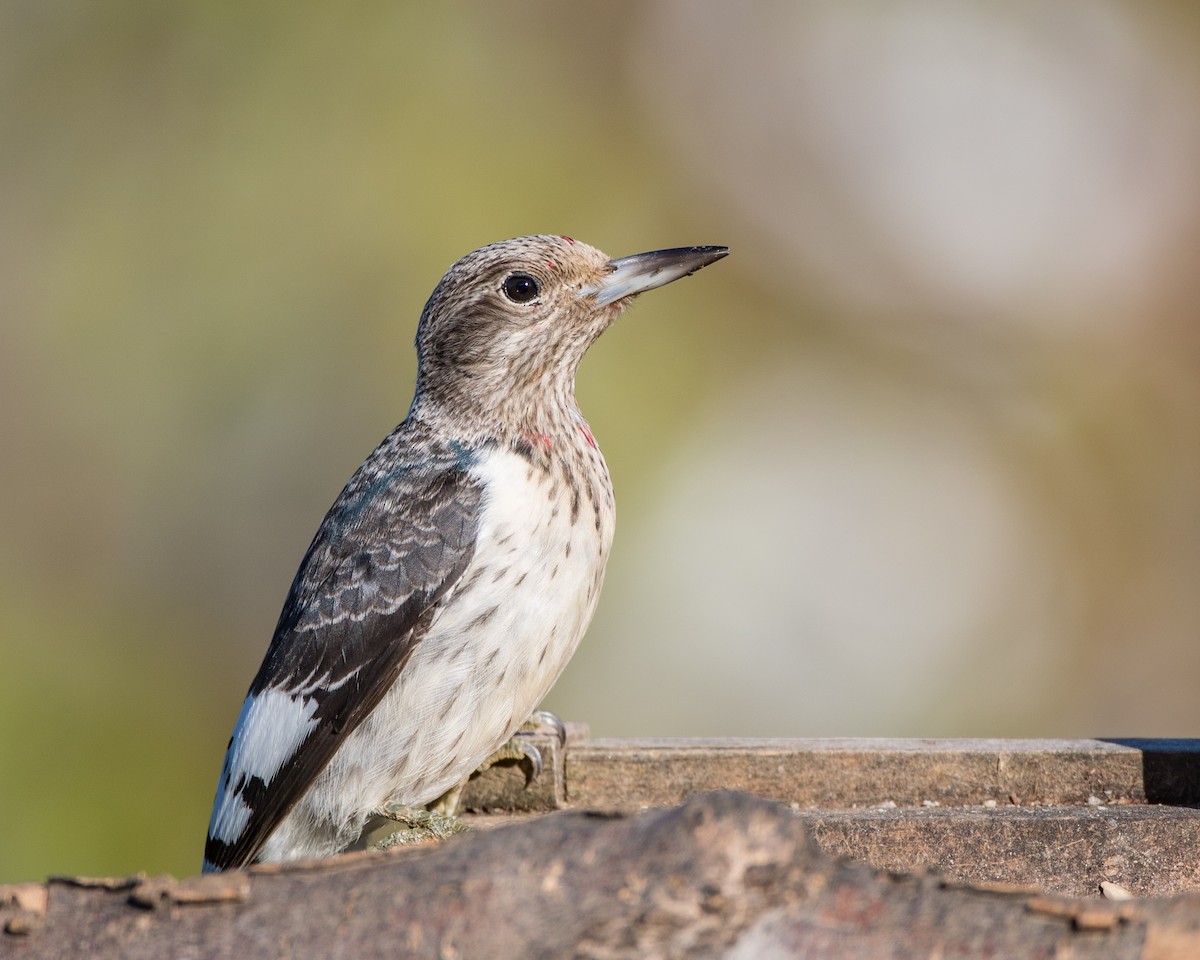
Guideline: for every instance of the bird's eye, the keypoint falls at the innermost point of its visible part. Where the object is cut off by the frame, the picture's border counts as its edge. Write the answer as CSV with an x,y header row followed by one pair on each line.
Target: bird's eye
x,y
520,287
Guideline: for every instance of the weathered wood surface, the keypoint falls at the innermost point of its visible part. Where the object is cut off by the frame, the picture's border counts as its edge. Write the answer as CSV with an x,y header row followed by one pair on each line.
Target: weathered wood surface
x,y
843,773
1063,815
1150,851
723,875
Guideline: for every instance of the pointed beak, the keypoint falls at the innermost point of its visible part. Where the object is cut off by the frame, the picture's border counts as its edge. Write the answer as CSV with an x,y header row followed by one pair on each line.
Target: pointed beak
x,y
645,271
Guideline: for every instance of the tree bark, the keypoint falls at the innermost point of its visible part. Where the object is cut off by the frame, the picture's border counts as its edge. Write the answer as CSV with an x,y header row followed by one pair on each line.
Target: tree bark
x,y
723,875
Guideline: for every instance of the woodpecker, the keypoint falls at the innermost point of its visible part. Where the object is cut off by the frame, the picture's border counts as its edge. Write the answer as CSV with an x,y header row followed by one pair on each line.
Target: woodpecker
x,y
453,577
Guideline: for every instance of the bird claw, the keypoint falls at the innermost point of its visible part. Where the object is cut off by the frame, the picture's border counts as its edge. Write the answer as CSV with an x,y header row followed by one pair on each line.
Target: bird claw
x,y
544,723
519,746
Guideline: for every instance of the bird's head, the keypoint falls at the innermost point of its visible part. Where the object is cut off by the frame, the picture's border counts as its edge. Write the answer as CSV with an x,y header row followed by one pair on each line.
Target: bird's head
x,y
504,331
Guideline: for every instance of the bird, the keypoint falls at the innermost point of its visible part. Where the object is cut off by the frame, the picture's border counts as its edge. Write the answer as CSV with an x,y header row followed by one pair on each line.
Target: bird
x,y
454,575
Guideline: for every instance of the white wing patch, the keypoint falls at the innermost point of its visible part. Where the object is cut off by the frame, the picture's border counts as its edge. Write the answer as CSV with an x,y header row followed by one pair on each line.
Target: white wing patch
x,y
270,728
230,816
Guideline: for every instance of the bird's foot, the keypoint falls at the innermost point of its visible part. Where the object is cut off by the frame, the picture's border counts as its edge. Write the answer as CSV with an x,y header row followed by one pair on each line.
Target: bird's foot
x,y
437,820
519,746
418,824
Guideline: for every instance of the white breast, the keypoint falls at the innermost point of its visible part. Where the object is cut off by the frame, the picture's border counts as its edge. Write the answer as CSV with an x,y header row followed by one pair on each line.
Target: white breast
x,y
489,658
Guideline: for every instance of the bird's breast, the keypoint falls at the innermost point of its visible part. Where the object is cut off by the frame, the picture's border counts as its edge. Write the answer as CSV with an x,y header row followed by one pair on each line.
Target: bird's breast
x,y
503,635
544,538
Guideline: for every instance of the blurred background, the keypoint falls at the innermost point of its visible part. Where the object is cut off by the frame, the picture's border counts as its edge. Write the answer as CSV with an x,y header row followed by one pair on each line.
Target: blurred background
x,y
921,458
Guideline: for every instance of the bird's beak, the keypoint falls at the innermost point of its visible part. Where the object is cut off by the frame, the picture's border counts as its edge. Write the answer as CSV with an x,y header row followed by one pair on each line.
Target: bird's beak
x,y
645,271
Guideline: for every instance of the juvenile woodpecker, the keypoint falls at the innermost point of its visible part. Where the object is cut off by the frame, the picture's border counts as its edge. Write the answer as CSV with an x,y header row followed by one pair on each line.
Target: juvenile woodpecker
x,y
453,577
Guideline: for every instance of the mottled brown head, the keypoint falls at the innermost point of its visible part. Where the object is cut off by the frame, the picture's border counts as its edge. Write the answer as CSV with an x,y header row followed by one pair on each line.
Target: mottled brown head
x,y
503,333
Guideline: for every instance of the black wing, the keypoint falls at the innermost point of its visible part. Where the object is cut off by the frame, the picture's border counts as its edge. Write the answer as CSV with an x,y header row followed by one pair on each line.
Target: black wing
x,y
396,541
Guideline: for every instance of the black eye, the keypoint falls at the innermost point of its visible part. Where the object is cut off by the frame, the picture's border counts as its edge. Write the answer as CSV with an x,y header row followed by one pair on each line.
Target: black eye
x,y
520,288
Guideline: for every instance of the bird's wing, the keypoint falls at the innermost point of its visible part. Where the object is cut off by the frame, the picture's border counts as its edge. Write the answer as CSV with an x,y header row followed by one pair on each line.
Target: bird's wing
x,y
395,542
